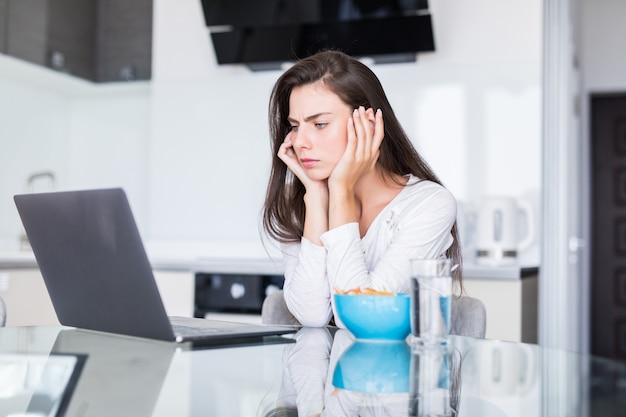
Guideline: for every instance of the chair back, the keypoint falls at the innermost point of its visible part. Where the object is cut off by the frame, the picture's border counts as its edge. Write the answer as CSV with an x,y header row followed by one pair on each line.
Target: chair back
x,y
3,313
469,317
274,310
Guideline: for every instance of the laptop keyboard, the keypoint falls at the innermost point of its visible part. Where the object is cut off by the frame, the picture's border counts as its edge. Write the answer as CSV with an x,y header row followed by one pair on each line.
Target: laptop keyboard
x,y
192,331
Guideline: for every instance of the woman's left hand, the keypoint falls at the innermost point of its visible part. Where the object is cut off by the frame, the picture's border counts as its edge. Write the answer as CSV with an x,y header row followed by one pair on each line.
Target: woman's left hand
x,y
365,134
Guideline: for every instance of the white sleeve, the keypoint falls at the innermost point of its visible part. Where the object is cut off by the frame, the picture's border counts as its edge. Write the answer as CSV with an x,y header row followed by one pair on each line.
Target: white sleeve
x,y
306,287
423,230
346,258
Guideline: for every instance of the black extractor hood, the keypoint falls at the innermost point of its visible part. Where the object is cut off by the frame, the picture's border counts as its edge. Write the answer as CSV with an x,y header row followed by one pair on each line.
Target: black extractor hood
x,y
265,34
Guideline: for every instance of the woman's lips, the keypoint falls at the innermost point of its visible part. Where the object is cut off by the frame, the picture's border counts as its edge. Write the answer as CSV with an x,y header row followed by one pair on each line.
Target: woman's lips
x,y
308,163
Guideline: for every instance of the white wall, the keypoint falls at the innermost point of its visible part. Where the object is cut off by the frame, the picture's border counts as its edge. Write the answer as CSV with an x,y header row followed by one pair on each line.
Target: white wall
x,y
89,136
193,147
33,129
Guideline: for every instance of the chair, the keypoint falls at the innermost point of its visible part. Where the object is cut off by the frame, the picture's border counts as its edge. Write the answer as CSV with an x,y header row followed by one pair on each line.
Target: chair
x,y
469,317
3,313
274,310
468,314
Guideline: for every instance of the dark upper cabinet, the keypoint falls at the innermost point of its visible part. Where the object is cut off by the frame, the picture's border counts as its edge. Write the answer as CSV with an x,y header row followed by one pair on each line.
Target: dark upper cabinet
x,y
26,25
124,40
98,40
70,37
3,18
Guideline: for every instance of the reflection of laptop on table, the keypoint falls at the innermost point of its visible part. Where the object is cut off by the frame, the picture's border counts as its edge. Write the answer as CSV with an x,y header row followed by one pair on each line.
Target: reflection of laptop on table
x,y
98,275
120,376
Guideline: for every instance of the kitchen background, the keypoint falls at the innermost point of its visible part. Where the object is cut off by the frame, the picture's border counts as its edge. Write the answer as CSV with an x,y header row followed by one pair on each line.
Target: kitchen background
x,y
191,146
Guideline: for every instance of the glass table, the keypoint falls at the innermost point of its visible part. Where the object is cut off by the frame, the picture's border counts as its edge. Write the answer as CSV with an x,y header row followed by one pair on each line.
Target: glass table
x,y
70,372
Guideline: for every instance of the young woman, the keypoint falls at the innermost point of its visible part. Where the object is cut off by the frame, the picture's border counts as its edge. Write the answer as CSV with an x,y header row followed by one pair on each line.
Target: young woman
x,y
349,197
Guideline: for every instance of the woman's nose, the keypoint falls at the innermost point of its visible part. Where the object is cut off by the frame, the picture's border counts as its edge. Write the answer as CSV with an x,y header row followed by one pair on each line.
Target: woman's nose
x,y
300,139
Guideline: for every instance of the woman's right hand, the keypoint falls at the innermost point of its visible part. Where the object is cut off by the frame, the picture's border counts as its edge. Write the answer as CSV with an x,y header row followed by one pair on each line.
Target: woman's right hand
x,y
287,154
315,197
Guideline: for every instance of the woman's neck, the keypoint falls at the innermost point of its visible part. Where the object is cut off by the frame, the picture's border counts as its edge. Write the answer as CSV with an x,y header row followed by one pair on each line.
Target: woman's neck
x,y
373,193
376,187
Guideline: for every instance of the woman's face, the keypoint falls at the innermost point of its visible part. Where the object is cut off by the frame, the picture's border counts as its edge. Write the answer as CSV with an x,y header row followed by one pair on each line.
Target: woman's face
x,y
319,131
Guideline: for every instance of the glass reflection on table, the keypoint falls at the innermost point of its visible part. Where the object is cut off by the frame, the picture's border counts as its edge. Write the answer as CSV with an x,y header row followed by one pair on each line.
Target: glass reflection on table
x,y
315,372
465,377
37,385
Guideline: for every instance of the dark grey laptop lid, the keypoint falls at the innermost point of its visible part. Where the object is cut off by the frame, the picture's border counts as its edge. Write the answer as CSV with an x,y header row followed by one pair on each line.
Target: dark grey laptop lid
x,y
92,260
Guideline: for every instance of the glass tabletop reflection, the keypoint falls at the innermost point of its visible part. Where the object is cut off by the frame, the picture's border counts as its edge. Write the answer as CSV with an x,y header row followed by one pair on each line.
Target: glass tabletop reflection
x,y
56,371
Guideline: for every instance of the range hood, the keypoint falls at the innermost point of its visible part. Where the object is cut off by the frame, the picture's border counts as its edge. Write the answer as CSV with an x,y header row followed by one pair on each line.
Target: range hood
x,y
274,32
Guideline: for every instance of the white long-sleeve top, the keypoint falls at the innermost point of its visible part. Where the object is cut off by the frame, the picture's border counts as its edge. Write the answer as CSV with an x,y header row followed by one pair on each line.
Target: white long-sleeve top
x,y
417,223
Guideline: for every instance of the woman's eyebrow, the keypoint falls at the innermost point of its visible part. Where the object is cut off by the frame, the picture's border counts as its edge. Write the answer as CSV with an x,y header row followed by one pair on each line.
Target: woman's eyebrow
x,y
308,118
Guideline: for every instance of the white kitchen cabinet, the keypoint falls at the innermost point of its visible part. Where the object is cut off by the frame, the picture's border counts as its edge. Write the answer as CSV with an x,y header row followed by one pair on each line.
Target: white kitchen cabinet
x,y
28,302
177,291
511,306
26,298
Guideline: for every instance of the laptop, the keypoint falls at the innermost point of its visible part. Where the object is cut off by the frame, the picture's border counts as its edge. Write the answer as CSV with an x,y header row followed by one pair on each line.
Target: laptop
x,y
98,274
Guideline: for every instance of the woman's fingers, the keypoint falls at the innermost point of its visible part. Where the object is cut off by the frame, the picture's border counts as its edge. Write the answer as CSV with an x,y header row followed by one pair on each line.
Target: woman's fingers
x,y
365,133
289,157
358,128
369,129
379,129
285,151
352,136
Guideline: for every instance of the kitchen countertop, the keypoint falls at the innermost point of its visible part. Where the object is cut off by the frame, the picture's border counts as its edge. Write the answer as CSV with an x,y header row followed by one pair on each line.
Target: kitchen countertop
x,y
257,264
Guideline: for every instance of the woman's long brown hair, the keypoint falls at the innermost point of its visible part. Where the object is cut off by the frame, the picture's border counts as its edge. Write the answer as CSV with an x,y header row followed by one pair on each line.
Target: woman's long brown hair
x,y
356,85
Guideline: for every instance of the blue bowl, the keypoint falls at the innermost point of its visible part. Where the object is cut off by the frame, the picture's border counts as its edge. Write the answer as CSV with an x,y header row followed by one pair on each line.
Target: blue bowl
x,y
374,367
375,317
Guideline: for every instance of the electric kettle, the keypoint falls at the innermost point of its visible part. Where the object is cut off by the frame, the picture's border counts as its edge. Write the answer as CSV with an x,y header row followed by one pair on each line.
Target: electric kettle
x,y
507,369
499,235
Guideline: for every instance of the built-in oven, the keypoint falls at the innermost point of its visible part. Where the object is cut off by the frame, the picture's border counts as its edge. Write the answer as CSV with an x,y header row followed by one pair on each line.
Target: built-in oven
x,y
233,293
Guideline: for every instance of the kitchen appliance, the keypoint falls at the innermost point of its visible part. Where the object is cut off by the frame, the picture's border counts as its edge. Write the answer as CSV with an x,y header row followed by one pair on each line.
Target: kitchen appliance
x,y
507,369
500,234
266,34
233,293
33,180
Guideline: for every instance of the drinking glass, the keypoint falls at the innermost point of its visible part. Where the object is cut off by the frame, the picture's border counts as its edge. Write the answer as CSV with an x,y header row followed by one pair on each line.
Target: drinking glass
x,y
431,298
434,388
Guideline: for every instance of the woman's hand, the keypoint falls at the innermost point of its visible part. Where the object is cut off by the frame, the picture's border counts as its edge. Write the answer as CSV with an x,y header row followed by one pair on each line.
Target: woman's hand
x,y
289,157
365,134
315,198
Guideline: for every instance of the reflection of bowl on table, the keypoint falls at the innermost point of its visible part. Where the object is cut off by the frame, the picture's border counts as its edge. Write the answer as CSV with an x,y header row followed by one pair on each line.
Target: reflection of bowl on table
x,y
374,367
379,317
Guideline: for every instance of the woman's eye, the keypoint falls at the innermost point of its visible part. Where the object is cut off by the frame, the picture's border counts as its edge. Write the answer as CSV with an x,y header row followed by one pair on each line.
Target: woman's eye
x,y
320,125
293,128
